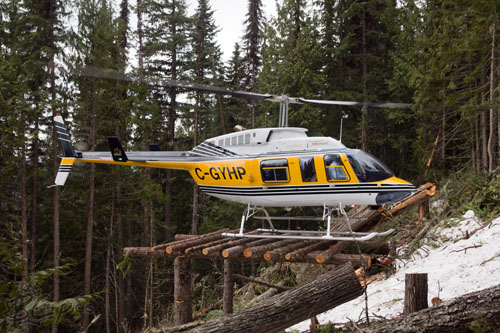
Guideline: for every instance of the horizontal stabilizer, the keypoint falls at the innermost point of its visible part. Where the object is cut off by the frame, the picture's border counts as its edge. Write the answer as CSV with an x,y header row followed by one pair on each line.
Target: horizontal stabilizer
x,y
64,170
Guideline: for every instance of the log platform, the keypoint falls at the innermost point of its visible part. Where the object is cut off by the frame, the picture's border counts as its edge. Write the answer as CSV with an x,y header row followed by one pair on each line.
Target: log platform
x,y
214,246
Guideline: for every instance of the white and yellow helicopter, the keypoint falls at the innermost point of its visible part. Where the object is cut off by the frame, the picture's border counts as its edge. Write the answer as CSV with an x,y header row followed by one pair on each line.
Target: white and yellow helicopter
x,y
265,167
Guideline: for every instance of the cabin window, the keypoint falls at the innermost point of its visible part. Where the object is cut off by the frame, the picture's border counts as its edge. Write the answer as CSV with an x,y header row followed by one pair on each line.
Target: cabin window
x,y
221,142
334,168
233,141
247,139
240,139
226,142
308,169
274,170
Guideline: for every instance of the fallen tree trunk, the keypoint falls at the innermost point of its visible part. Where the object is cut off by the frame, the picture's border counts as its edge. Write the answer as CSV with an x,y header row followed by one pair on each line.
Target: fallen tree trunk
x,y
479,310
277,313
264,283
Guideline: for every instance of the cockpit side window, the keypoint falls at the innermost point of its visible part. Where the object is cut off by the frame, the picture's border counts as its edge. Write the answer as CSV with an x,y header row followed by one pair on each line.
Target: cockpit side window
x,y
334,168
308,169
274,170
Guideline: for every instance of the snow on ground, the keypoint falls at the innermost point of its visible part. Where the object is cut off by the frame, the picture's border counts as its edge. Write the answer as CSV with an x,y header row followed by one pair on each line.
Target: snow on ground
x,y
450,267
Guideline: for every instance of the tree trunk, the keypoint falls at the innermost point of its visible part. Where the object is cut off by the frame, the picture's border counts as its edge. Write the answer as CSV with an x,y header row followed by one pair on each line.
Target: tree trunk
x,y
34,199
484,141
491,150
55,201
107,307
90,220
479,310
364,109
415,293
277,313
24,218
196,218
182,291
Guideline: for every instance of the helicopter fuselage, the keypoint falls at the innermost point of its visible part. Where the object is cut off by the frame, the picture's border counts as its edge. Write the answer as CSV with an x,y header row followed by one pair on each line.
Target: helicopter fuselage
x,y
306,179
269,167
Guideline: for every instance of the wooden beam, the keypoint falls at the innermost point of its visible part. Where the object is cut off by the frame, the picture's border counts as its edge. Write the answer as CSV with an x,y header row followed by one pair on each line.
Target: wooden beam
x,y
182,291
228,287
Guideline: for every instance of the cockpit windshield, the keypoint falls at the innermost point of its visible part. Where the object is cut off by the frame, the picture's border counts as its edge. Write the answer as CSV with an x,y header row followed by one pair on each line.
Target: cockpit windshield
x,y
367,168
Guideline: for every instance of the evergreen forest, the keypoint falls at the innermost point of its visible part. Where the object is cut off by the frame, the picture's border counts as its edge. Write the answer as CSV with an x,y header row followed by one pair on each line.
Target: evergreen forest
x,y
62,267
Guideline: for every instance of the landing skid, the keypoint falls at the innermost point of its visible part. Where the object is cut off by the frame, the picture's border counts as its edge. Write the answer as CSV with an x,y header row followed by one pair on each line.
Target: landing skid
x,y
273,233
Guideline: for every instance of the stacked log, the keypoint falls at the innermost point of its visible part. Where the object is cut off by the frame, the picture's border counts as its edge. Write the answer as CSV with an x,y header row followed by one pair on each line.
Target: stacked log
x,y
236,251
183,245
279,254
201,247
257,251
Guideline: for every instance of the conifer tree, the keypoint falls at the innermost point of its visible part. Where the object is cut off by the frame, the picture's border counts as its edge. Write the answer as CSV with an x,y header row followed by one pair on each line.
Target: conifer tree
x,y
252,49
203,48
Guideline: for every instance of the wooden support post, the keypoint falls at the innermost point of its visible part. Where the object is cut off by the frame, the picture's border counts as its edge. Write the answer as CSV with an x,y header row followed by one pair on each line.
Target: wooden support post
x,y
182,291
415,292
228,287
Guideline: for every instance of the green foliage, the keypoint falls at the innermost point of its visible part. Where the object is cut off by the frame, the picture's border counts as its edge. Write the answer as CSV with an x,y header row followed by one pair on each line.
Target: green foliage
x,y
470,190
480,325
26,302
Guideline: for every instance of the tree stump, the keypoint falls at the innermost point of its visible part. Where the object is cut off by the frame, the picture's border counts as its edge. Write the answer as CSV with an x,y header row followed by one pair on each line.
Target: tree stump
x,y
415,292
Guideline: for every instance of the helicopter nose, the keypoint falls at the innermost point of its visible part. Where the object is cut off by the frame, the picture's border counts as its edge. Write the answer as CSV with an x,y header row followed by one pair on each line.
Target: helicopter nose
x,y
390,197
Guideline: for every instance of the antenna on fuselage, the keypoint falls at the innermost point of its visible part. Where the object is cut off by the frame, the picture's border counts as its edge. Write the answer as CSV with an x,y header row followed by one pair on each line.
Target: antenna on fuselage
x,y
342,117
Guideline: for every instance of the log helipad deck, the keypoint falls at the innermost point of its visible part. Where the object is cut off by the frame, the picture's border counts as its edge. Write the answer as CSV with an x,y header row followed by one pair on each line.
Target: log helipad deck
x,y
214,246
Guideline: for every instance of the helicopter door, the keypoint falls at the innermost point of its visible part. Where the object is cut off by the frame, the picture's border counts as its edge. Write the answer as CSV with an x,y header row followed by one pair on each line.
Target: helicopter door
x,y
334,168
308,169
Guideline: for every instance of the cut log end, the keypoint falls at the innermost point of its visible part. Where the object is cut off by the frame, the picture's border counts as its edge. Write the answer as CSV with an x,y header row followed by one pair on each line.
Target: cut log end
x,y
225,253
247,253
268,256
205,252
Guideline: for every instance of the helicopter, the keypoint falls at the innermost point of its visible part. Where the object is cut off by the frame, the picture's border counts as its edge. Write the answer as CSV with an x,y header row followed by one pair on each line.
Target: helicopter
x,y
263,167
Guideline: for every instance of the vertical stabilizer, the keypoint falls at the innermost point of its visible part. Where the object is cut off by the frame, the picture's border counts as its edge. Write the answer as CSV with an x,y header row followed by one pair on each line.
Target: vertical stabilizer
x,y
68,153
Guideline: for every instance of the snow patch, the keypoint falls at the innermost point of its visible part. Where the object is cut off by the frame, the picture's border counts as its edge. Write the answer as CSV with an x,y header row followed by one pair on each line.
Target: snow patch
x,y
459,266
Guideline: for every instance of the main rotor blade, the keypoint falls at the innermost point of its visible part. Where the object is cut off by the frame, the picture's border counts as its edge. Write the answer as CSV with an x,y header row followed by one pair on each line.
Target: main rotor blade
x,y
109,74
100,73
349,103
